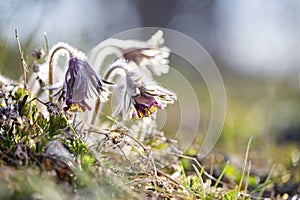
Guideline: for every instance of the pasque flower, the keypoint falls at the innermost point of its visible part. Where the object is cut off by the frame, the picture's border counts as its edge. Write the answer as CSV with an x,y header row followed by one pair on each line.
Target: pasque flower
x,y
147,101
138,99
81,82
152,56
154,60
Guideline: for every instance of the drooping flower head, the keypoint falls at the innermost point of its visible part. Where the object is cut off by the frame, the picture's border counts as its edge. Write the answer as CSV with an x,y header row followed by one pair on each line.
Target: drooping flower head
x,y
81,82
153,60
152,56
138,99
144,104
150,98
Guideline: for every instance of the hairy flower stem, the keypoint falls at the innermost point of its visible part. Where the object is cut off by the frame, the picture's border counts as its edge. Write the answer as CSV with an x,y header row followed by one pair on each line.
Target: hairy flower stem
x,y
106,76
51,67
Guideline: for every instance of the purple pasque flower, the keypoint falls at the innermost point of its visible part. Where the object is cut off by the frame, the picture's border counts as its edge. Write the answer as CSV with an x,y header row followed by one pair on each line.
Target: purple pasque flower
x,y
81,82
138,99
149,98
144,104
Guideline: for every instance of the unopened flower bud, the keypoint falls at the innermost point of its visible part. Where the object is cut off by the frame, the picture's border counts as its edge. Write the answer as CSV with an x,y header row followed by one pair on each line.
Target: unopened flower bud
x,y
38,53
35,68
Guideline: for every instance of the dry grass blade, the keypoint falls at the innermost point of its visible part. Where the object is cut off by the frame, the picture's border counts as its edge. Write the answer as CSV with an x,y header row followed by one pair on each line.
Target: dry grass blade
x,y
25,68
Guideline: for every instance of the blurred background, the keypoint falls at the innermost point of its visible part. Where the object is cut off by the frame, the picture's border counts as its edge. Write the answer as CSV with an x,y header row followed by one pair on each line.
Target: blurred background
x,y
255,45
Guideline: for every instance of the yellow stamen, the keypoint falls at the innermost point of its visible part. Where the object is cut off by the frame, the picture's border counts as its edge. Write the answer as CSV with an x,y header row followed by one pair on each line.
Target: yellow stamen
x,y
153,109
75,108
141,114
